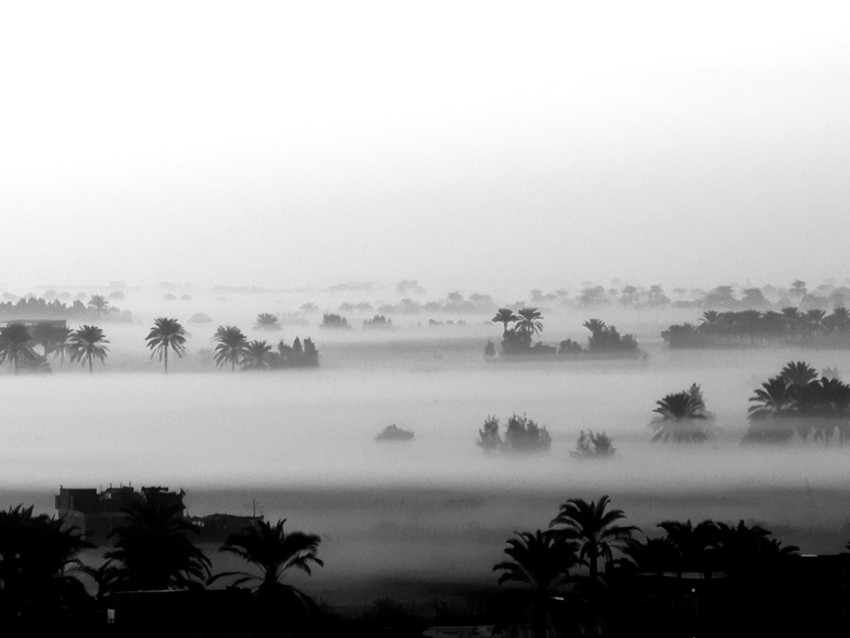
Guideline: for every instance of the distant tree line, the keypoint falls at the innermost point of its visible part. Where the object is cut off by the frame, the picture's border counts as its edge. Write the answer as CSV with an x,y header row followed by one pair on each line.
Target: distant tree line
x,y
97,308
813,328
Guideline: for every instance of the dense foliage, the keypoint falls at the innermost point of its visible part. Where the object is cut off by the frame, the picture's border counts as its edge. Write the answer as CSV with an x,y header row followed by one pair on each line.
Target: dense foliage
x,y
746,328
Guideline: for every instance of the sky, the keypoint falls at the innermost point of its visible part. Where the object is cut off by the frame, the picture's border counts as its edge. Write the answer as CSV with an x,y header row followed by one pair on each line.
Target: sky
x,y
470,143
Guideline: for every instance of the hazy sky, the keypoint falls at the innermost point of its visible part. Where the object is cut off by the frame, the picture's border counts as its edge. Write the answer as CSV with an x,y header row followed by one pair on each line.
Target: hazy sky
x,y
315,142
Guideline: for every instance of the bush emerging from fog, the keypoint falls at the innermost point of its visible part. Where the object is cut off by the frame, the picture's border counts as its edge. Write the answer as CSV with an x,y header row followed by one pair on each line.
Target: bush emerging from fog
x,y
394,433
593,445
522,434
378,322
335,322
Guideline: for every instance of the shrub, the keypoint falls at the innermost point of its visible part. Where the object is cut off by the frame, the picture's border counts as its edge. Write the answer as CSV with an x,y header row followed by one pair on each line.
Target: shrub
x,y
591,445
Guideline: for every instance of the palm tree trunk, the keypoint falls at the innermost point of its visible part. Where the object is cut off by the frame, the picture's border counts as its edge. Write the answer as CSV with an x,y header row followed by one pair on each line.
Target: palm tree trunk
x,y
594,567
91,370
166,359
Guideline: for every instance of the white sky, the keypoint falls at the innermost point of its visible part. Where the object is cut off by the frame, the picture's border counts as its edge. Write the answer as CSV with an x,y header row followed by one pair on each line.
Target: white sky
x,y
315,142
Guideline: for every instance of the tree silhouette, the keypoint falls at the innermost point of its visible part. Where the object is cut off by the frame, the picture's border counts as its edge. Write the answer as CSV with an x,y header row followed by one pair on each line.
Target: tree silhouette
x,y
267,321
230,346
592,526
540,563
15,344
271,552
505,316
153,548
257,355
38,556
99,304
87,343
164,335
529,322
679,417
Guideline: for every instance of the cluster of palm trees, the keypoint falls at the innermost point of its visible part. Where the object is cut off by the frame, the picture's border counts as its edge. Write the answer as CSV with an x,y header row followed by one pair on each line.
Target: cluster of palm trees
x,y
799,400
18,341
88,344
559,566
84,345
152,550
813,328
233,348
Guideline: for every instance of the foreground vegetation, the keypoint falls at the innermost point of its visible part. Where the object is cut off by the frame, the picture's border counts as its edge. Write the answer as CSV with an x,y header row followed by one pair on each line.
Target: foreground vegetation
x,y
589,573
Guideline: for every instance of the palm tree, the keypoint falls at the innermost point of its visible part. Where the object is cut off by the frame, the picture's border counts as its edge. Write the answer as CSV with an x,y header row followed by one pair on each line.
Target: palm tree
x,y
505,316
256,355
271,552
15,344
693,545
744,548
153,548
798,373
267,321
38,555
678,413
541,562
593,527
529,322
166,333
230,347
99,304
61,344
87,343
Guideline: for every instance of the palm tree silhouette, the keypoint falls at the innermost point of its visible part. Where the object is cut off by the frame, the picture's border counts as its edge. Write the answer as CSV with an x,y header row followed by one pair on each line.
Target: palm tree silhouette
x,y
529,322
87,343
153,547
164,335
230,347
61,346
592,526
256,355
678,414
693,545
267,321
99,304
798,373
505,316
38,556
271,552
15,344
541,562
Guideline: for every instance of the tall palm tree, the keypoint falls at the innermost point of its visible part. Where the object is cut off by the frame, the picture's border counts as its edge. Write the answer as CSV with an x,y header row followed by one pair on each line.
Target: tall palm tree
x,y
87,343
541,562
593,526
505,316
164,335
153,548
529,322
230,347
271,552
256,355
15,344
61,344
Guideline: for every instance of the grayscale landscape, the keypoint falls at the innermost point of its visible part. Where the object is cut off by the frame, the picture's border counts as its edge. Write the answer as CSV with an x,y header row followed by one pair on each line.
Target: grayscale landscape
x,y
389,304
